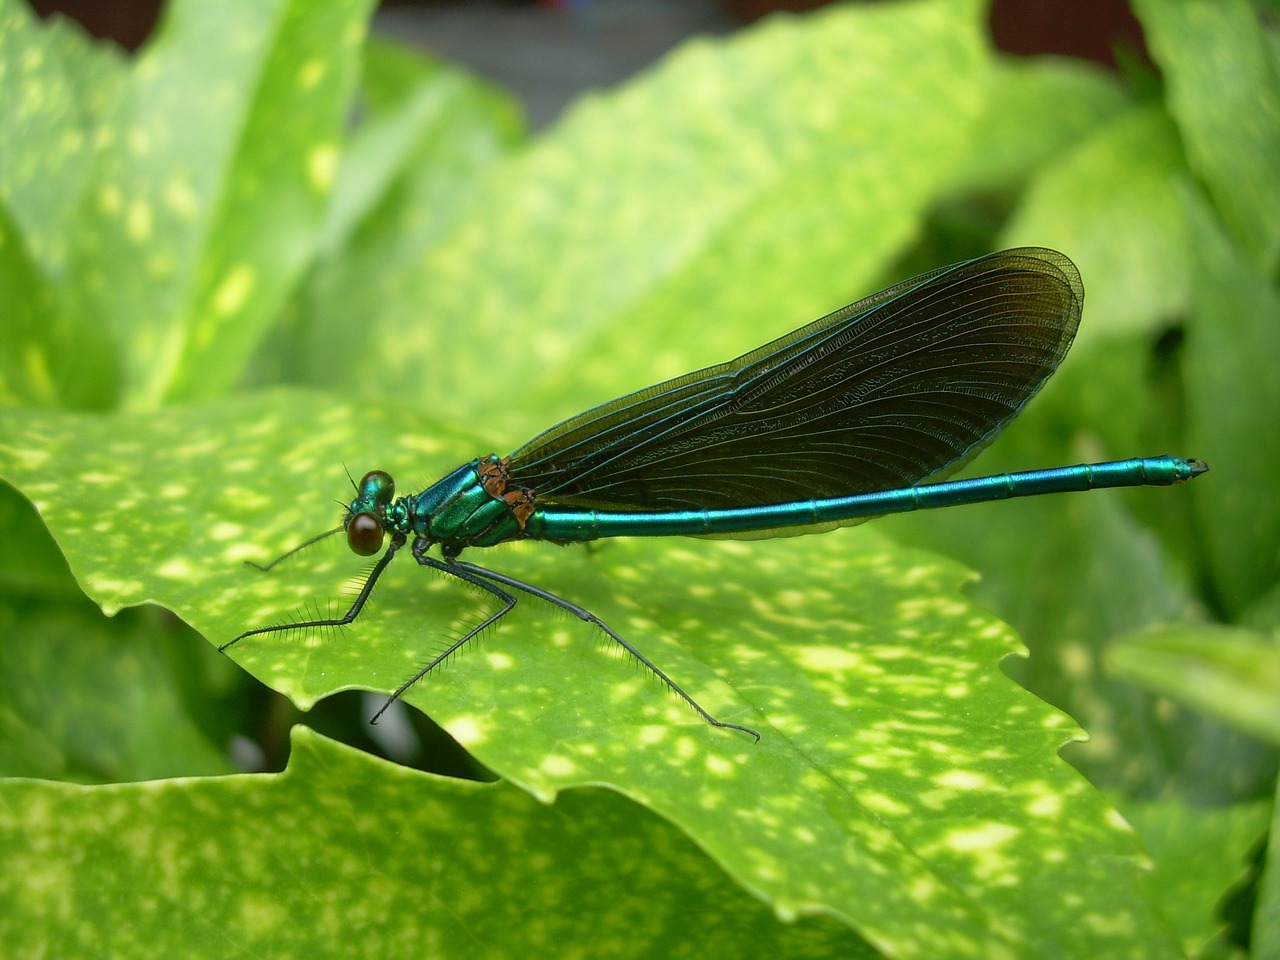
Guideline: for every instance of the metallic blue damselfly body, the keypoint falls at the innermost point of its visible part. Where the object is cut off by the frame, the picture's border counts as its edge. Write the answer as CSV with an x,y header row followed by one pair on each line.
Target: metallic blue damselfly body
x,y
854,416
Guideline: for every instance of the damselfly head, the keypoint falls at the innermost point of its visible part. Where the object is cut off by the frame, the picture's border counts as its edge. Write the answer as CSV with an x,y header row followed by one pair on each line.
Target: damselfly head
x,y
364,523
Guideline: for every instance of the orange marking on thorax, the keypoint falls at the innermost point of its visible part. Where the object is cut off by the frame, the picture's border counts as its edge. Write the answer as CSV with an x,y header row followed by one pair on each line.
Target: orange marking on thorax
x,y
496,482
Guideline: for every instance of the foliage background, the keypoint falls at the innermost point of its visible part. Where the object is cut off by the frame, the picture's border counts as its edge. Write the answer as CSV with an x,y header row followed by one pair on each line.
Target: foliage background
x,y
269,245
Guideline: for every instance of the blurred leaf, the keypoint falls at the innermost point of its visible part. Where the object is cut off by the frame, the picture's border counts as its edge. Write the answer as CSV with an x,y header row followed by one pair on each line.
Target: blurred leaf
x,y
39,350
56,82
59,84
30,563
1264,614
304,863
204,204
1110,204
1224,93
1035,110
1233,395
429,134
1228,673
902,783
635,221
1266,926
1199,854
425,123
92,700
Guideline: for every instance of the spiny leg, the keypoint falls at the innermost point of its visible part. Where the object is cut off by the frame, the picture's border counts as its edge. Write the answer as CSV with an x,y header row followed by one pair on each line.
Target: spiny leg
x,y
351,614
420,547
458,567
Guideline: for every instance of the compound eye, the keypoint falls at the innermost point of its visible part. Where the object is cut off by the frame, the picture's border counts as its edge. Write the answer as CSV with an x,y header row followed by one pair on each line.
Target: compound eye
x,y
364,534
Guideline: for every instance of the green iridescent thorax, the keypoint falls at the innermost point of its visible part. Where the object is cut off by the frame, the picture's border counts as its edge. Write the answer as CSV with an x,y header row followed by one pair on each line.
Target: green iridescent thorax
x,y
471,507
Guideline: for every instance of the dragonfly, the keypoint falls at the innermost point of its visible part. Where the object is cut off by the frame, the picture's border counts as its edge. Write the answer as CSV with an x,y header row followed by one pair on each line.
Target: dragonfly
x,y
857,415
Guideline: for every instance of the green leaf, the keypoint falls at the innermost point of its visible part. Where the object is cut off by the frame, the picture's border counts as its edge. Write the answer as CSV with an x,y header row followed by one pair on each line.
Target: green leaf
x,y
42,353
904,787
738,189
1266,926
1034,111
902,784
100,701
1224,93
1052,566
1111,204
205,201
343,855
58,86
31,566
1199,854
428,129
1233,395
1071,573
1228,673
430,133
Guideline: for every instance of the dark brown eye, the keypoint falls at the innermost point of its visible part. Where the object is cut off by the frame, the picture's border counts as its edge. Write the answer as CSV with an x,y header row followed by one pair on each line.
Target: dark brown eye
x,y
364,534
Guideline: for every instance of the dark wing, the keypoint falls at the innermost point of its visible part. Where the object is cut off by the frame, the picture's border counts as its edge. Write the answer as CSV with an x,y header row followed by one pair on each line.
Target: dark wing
x,y
906,385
